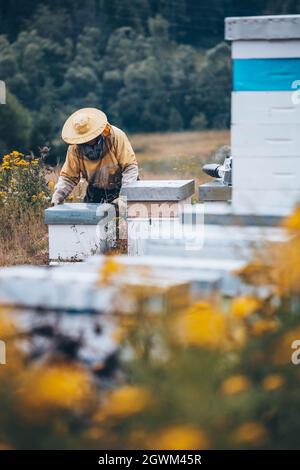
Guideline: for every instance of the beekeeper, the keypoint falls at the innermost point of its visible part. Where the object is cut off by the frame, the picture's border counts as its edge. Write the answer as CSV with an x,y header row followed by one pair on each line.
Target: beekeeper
x,y
98,152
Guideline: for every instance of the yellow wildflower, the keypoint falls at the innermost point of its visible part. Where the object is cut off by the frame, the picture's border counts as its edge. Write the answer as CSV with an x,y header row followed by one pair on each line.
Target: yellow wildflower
x,y
293,221
180,437
201,325
264,326
125,401
110,269
238,335
235,384
6,166
242,307
56,386
14,153
251,432
273,382
22,163
34,198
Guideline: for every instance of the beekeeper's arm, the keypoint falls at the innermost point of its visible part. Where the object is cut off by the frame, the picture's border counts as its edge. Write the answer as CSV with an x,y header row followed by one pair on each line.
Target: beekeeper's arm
x,y
69,176
126,158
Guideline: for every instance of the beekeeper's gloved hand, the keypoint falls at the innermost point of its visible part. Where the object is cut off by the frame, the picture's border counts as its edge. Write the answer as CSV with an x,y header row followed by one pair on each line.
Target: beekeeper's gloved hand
x,y
56,203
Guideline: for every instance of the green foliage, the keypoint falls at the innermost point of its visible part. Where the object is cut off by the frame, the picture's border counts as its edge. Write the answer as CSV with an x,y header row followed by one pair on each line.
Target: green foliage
x,y
213,85
23,191
15,124
199,122
175,120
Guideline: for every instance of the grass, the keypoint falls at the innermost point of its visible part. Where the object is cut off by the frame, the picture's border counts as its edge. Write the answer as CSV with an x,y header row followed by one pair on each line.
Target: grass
x,y
177,155
160,156
28,244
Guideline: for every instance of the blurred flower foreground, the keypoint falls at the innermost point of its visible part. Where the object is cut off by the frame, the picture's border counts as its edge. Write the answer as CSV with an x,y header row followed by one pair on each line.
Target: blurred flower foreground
x,y
216,374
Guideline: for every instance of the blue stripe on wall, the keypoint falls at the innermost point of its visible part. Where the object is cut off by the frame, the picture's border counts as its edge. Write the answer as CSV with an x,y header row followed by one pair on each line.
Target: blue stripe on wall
x,y
265,74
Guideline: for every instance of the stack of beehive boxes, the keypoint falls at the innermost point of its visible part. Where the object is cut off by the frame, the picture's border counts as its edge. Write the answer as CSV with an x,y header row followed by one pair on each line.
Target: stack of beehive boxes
x,y
154,209
265,127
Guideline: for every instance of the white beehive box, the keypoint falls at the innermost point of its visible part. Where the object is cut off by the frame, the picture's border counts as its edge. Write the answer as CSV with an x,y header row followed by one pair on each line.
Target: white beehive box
x,y
79,230
154,207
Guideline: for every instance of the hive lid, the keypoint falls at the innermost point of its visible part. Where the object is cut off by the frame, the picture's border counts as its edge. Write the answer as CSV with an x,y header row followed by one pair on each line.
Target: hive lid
x,y
159,190
78,214
262,27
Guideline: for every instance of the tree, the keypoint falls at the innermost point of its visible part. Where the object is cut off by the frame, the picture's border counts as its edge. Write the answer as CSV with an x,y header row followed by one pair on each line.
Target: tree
x,y
15,125
175,121
212,88
8,59
55,25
